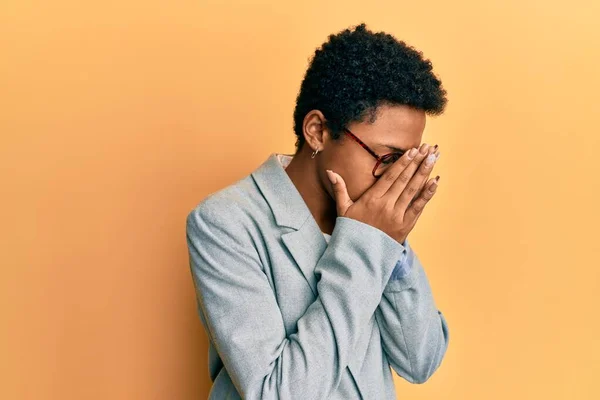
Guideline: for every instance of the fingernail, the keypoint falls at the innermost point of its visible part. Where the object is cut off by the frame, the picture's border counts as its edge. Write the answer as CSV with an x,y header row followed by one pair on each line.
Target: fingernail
x,y
412,153
434,184
430,159
331,176
435,147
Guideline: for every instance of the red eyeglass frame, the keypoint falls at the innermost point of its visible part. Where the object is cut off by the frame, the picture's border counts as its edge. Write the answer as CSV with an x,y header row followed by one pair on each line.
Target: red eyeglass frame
x,y
379,158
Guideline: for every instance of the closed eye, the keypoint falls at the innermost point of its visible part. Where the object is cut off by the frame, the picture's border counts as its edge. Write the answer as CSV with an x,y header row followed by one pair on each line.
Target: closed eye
x,y
392,158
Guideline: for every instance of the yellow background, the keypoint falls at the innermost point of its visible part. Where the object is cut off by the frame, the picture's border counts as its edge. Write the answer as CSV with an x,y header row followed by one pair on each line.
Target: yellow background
x,y
118,117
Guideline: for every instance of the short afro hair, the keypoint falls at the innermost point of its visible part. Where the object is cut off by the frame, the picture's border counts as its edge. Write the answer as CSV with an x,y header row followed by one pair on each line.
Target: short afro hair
x,y
356,71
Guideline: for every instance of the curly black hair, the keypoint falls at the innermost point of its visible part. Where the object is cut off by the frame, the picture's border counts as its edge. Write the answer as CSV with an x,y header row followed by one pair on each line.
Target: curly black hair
x,y
356,71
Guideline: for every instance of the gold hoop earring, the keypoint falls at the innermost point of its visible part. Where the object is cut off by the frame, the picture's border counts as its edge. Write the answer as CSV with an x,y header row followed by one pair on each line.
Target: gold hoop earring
x,y
314,153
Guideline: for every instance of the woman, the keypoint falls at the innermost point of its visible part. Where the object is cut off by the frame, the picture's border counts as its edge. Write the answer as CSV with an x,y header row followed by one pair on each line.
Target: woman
x,y
306,284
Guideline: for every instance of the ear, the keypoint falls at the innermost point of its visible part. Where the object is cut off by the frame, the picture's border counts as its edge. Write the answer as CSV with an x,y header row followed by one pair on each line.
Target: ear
x,y
315,129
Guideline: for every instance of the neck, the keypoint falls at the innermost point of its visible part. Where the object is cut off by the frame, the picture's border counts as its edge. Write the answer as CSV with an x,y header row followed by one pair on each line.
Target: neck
x,y
303,173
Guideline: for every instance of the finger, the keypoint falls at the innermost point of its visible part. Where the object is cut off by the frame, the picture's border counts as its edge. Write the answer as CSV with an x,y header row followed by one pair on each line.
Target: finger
x,y
340,192
399,174
380,187
419,178
425,183
437,153
417,206
404,197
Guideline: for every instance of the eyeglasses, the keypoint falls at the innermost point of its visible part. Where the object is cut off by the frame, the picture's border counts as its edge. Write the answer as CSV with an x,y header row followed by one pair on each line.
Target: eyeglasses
x,y
384,160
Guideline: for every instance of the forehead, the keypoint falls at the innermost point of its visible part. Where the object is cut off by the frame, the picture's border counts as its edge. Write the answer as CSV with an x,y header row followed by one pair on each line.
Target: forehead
x,y
395,125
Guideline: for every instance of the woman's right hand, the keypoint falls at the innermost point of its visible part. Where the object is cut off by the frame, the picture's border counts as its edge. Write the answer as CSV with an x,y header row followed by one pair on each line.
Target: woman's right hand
x,y
388,205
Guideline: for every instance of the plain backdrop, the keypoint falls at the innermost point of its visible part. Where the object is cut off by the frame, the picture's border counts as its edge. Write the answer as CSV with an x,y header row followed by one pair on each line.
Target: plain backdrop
x,y
118,117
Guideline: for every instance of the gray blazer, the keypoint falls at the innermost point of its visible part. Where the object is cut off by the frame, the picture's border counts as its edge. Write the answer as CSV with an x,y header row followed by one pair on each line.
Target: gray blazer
x,y
289,316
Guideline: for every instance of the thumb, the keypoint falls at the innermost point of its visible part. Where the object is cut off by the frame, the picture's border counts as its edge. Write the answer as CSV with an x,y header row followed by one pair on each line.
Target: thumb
x,y
342,199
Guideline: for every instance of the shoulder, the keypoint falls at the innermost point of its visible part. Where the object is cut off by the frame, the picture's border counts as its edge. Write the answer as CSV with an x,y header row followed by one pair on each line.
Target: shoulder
x,y
230,210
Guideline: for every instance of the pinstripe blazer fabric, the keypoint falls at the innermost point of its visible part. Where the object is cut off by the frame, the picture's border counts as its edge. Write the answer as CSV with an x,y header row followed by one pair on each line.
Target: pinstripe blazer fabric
x,y
290,316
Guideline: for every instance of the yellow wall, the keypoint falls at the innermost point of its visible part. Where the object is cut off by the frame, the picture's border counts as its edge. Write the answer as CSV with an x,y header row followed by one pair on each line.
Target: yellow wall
x,y
118,117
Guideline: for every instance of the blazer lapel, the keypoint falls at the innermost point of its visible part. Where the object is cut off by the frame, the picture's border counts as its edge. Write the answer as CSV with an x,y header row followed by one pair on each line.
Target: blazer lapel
x,y
306,243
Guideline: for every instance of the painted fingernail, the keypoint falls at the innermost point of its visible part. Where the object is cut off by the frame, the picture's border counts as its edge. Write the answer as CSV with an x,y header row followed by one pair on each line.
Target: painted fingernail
x,y
424,148
435,147
430,159
437,178
412,153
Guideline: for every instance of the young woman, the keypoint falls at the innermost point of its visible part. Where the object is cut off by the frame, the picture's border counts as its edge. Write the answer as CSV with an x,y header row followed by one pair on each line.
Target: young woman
x,y
306,284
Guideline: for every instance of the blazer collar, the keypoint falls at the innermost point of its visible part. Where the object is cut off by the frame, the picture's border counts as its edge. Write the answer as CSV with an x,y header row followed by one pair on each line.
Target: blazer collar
x,y
306,243
285,201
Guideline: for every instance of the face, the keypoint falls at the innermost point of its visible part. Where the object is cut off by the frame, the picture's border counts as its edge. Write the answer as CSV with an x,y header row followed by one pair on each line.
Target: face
x,y
397,126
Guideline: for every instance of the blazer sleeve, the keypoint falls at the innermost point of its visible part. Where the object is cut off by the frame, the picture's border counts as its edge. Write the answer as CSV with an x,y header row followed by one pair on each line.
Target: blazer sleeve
x,y
242,317
414,333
